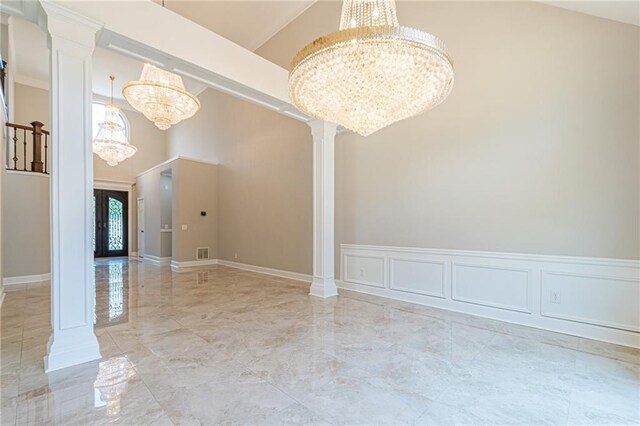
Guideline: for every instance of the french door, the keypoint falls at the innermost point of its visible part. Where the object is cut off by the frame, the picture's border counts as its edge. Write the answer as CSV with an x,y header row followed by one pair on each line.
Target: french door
x,y
110,223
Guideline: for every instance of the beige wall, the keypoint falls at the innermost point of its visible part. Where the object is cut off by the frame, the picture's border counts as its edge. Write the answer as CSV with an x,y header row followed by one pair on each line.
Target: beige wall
x,y
25,199
195,189
265,179
25,225
535,151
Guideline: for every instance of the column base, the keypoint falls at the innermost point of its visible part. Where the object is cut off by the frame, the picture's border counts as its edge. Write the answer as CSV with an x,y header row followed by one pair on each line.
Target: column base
x,y
324,288
69,350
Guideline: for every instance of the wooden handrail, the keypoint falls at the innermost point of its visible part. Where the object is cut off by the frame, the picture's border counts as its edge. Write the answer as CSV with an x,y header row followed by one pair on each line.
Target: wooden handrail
x,y
21,127
37,132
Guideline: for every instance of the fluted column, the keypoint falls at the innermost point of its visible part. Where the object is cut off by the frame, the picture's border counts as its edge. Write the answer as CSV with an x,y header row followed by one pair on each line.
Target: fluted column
x,y
324,133
72,41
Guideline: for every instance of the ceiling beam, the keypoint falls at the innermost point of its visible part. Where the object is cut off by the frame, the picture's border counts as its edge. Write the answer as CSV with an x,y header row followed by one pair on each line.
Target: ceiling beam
x,y
175,43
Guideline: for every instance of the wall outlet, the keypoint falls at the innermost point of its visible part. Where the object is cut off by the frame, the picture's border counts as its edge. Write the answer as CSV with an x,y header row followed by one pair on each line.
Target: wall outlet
x,y
235,255
184,227
555,297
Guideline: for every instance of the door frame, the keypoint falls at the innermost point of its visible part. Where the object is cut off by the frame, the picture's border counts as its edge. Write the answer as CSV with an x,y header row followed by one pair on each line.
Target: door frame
x,y
138,233
128,187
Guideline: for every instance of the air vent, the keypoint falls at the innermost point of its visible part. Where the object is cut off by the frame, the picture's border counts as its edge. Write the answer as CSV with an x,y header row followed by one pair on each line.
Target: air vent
x,y
202,253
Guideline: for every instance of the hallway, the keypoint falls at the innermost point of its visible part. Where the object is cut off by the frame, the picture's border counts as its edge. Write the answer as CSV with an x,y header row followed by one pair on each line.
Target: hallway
x,y
221,345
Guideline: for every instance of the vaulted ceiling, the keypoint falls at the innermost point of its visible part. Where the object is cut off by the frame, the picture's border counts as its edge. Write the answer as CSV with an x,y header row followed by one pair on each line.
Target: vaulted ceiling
x,y
247,23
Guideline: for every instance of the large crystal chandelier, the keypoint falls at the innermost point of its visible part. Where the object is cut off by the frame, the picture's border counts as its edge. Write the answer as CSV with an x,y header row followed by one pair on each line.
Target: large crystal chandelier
x,y
372,72
111,142
161,97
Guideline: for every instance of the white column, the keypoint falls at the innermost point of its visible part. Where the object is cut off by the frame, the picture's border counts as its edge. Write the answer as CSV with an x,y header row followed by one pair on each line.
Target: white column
x,y
324,133
71,40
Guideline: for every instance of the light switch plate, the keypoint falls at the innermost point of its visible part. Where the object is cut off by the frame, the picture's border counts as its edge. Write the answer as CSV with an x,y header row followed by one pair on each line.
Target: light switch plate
x,y
184,227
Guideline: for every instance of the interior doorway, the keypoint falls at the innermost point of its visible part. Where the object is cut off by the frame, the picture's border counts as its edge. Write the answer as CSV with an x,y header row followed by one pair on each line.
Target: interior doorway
x,y
111,228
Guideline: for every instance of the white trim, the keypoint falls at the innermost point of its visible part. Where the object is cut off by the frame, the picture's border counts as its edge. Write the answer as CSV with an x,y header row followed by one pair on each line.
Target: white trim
x,y
156,260
26,173
267,271
25,279
123,186
2,294
576,318
134,255
393,286
620,263
32,82
178,266
324,139
115,185
166,230
455,296
170,160
604,324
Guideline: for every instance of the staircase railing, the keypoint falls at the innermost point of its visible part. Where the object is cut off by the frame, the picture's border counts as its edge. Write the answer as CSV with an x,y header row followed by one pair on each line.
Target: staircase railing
x,y
21,145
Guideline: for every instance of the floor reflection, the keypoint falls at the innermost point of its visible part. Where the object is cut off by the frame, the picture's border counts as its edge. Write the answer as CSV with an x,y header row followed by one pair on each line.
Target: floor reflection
x,y
112,295
111,383
217,345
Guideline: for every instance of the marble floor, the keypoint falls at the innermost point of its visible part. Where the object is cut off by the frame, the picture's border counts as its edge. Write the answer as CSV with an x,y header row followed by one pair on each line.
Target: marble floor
x,y
225,346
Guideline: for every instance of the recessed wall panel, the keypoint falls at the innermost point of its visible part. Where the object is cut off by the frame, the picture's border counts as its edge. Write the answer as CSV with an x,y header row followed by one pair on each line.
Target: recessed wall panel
x,y
417,276
494,286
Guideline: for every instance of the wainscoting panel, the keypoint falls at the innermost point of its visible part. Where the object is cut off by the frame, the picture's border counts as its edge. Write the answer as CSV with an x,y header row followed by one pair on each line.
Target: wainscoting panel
x,y
417,276
488,285
365,269
587,297
607,301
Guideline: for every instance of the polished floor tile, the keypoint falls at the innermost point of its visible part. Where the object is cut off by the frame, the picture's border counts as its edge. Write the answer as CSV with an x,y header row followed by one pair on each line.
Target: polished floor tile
x,y
224,346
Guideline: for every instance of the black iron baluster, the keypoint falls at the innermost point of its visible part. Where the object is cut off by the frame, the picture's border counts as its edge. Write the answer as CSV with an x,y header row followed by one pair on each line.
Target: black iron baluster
x,y
24,138
46,139
15,149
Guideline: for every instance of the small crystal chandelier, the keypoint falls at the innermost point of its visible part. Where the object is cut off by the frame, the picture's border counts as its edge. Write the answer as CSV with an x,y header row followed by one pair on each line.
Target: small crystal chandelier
x,y
161,97
372,72
111,142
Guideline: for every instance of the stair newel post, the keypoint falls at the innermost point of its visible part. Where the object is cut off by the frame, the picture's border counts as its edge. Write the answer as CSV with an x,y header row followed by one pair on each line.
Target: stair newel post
x,y
36,164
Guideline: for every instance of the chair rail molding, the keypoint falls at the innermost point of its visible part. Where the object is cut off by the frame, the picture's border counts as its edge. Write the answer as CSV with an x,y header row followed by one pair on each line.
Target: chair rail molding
x,y
588,297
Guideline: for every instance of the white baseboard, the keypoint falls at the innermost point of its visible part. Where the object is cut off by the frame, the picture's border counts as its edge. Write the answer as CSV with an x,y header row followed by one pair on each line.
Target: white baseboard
x,y
155,260
268,271
178,266
25,279
133,254
594,298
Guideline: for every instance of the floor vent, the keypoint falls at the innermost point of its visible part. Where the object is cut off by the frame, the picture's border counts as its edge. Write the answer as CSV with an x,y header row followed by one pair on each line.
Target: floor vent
x,y
202,253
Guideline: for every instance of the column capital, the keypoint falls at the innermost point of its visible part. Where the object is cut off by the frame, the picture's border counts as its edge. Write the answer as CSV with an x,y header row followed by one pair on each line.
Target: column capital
x,y
60,22
322,129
